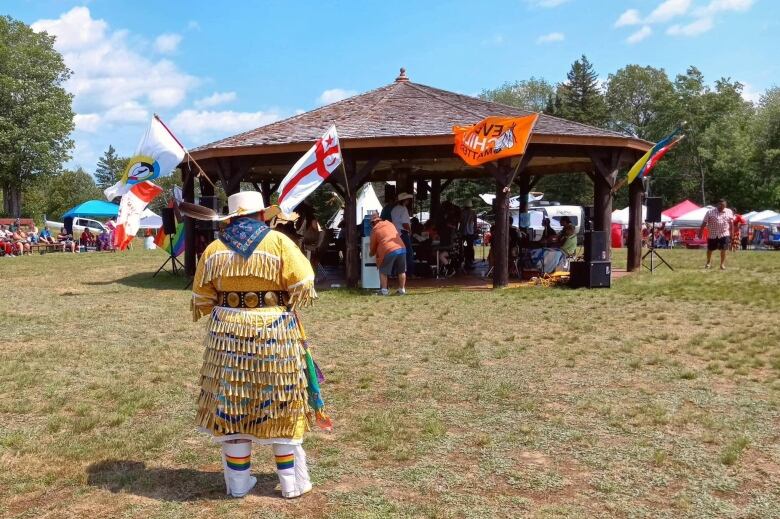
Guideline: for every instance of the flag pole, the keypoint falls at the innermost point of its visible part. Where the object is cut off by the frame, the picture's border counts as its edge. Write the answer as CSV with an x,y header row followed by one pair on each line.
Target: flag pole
x,y
186,152
346,180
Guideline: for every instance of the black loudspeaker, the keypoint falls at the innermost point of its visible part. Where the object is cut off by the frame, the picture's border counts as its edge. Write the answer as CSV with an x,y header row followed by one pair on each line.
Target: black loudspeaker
x,y
590,274
653,209
587,214
169,220
596,243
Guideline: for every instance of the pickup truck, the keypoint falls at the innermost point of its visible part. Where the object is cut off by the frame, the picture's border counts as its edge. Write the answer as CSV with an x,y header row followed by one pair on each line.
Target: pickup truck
x,y
79,224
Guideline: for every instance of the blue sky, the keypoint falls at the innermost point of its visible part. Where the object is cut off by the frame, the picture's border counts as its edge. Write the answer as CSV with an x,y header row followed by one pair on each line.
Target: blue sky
x,y
212,69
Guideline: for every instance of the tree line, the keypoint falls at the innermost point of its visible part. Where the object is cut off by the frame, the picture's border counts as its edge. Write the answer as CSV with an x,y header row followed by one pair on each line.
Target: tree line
x,y
731,149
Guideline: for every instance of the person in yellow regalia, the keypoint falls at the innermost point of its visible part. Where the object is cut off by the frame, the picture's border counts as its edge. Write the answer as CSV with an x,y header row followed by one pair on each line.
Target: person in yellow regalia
x,y
258,383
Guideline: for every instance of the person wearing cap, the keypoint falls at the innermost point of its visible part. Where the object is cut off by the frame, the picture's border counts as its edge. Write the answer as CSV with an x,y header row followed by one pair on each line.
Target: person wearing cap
x,y
402,220
390,252
258,383
468,229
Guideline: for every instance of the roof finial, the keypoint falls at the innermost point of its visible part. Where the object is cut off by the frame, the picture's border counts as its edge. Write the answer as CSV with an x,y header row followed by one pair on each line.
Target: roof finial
x,y
402,76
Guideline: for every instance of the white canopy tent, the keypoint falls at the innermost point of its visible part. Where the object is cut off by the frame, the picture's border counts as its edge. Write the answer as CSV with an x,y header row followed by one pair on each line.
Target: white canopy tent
x,y
761,217
367,202
150,220
749,215
621,216
692,220
772,220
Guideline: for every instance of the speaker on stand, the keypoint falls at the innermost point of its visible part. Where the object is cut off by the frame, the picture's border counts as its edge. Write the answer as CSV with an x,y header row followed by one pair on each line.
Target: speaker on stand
x,y
654,206
169,228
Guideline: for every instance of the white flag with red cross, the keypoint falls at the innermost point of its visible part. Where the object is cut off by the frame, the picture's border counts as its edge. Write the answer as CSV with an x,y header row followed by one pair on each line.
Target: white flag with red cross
x,y
310,170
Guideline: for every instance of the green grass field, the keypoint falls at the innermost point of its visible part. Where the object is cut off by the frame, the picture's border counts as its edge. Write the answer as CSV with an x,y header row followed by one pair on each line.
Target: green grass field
x,y
657,398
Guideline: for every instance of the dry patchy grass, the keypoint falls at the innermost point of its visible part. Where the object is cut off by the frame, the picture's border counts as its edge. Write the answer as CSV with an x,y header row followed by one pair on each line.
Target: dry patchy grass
x,y
657,398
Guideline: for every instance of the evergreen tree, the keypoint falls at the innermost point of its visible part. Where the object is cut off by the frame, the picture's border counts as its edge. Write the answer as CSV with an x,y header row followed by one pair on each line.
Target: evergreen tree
x,y
110,168
581,97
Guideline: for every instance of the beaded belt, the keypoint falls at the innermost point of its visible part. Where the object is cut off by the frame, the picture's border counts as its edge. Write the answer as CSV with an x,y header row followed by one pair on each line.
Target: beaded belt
x,y
253,299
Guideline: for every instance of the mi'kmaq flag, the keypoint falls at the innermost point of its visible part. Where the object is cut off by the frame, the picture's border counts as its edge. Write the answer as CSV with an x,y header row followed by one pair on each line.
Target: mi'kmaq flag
x,y
158,153
308,173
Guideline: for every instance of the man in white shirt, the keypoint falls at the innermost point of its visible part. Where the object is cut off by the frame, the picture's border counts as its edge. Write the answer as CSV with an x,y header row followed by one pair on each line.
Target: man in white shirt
x,y
402,220
718,221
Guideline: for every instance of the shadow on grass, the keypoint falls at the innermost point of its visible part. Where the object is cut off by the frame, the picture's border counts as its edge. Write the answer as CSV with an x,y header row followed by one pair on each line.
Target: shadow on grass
x,y
163,281
167,484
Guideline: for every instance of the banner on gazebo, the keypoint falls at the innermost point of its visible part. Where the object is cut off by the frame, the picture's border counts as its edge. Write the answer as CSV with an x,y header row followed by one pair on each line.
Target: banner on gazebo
x,y
493,138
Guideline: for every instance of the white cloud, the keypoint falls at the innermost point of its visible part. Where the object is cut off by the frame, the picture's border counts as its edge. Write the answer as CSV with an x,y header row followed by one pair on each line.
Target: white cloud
x,y
749,93
109,73
546,3
640,35
551,37
719,6
694,28
668,10
630,17
215,99
494,41
193,25
167,43
334,94
89,123
128,112
205,125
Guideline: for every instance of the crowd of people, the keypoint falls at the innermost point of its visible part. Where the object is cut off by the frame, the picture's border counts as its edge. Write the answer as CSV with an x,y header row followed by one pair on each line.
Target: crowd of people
x,y
17,240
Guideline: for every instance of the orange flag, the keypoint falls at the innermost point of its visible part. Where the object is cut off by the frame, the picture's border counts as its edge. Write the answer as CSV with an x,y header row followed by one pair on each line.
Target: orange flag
x,y
493,138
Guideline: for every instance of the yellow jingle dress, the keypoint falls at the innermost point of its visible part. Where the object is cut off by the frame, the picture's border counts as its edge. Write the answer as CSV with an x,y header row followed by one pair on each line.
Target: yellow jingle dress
x,y
253,384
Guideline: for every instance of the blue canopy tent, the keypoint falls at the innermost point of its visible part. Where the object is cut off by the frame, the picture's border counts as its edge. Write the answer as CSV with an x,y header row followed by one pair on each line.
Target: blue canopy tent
x,y
93,209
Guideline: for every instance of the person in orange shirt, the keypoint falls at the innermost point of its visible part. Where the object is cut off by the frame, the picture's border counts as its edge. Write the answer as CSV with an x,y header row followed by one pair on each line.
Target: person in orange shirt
x,y
390,252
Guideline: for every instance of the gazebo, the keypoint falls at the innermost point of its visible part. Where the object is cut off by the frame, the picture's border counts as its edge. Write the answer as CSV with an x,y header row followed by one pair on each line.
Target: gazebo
x,y
403,132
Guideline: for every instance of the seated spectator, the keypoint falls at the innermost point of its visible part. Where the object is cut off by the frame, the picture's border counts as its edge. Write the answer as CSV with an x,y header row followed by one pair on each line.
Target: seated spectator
x,y
67,241
6,243
568,237
549,236
87,239
45,236
103,242
19,238
34,235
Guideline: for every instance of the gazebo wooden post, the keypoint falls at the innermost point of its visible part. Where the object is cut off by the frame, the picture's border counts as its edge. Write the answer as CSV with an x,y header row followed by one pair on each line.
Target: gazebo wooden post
x,y
265,190
188,195
435,199
525,188
605,174
500,241
351,252
634,259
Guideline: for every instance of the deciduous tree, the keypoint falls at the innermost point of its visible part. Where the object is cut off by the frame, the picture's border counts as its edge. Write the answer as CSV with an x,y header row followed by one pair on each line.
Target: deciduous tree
x,y
35,110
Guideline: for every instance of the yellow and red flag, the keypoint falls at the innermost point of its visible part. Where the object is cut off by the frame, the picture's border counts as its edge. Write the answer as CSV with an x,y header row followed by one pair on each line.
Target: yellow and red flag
x,y
493,138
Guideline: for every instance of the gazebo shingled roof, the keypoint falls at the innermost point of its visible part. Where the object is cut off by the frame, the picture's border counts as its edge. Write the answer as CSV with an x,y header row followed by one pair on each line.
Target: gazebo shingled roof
x,y
403,132
402,109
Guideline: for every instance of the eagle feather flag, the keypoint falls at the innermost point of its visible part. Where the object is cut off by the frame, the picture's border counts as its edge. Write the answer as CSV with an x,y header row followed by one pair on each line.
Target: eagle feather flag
x,y
158,153
132,205
308,173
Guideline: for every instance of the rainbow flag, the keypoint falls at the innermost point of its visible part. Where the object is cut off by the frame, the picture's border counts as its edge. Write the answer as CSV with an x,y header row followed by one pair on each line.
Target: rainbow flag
x,y
653,155
163,240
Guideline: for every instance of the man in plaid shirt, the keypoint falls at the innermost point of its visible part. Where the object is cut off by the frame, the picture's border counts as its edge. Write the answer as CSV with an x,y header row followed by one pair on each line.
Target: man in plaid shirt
x,y
718,221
